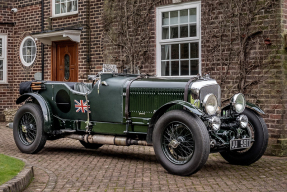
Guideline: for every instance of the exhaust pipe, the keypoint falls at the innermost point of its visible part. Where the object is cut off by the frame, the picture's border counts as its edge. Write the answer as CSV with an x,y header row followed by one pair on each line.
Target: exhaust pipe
x,y
107,140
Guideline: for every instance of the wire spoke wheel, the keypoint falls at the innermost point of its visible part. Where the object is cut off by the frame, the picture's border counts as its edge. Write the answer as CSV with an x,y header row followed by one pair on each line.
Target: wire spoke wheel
x,y
251,135
258,133
27,129
177,143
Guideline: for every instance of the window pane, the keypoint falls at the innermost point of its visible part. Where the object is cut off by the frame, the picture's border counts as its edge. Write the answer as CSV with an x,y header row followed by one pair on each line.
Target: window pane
x,y
193,50
0,52
165,33
1,76
63,7
192,30
174,32
183,16
24,51
57,1
184,51
173,17
69,7
57,7
75,6
165,52
67,67
174,51
1,64
192,15
28,59
0,43
165,18
193,67
183,31
33,50
184,68
165,68
29,42
28,51
174,68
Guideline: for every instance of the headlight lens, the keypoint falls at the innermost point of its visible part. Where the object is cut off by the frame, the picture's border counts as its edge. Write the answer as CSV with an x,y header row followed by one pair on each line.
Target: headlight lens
x,y
243,120
238,102
215,123
210,104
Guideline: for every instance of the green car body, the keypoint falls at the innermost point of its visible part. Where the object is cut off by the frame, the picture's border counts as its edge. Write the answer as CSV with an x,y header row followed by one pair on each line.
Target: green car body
x,y
127,108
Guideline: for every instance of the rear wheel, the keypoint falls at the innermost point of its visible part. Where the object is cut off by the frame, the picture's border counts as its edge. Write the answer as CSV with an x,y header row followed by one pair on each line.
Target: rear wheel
x,y
259,133
28,130
181,142
90,145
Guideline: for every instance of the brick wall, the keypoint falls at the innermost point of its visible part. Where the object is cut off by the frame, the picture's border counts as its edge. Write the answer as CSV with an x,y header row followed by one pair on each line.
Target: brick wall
x,y
6,90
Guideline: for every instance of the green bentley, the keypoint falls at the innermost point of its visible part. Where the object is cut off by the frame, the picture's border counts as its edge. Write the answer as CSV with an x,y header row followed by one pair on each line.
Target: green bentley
x,y
181,118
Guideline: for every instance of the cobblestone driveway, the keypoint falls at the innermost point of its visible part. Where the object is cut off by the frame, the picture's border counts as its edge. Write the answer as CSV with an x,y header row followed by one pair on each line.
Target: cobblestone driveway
x,y
64,165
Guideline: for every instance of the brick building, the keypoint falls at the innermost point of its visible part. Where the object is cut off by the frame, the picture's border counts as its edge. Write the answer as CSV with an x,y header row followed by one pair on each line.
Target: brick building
x,y
241,44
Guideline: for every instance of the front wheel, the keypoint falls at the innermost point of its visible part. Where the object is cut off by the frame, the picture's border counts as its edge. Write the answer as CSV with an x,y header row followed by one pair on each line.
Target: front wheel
x,y
259,133
181,142
28,130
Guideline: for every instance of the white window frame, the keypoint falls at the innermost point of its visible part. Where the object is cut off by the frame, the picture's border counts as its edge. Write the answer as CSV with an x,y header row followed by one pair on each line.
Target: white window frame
x,y
21,52
62,14
4,58
160,41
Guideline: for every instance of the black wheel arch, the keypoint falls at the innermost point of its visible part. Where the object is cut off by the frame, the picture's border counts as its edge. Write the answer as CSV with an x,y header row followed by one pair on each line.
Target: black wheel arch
x,y
163,109
45,107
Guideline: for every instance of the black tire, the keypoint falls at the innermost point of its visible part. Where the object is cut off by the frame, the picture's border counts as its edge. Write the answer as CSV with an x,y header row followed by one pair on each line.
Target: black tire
x,y
255,152
28,130
181,142
90,145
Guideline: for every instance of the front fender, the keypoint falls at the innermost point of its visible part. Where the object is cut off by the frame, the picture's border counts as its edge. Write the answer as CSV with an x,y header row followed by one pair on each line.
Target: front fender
x,y
46,109
249,105
165,107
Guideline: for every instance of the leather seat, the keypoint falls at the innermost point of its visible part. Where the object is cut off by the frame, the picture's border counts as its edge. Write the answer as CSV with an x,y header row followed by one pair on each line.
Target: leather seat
x,y
83,87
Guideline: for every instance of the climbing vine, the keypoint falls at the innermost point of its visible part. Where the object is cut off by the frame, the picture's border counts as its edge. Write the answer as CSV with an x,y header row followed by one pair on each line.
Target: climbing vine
x,y
128,27
240,39
244,42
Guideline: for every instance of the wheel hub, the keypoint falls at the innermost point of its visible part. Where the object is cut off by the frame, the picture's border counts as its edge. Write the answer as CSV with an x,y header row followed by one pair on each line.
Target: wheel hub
x,y
174,143
24,128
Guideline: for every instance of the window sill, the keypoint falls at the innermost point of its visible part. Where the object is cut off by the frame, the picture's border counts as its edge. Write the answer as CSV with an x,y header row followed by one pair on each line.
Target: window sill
x,y
65,15
3,83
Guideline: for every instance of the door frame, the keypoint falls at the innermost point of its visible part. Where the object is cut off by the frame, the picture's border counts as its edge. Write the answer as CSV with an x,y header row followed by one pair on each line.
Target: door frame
x,y
54,59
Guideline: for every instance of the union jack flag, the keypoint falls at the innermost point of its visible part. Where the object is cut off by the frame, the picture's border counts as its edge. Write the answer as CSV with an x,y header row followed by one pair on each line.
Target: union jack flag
x,y
82,106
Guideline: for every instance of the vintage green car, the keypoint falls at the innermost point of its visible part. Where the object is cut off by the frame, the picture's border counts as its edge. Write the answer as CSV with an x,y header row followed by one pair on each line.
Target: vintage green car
x,y
181,118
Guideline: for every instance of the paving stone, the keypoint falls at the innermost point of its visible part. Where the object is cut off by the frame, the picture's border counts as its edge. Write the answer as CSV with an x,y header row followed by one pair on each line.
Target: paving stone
x,y
65,165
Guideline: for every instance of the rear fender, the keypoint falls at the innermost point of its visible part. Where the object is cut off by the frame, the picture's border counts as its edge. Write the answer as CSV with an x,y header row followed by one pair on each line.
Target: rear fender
x,y
46,109
187,106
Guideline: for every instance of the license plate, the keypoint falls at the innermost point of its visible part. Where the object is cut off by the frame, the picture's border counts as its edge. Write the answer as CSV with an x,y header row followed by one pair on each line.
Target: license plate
x,y
240,144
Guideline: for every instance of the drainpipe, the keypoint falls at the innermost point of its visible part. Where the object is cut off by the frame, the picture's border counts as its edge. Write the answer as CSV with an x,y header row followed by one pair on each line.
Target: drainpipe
x,y
89,36
42,44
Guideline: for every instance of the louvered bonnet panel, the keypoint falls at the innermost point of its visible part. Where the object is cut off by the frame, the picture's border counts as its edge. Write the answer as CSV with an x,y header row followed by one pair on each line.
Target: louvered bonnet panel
x,y
146,100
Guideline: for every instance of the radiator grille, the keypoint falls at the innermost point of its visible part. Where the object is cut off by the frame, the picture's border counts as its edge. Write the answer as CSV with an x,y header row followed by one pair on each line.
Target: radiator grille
x,y
143,100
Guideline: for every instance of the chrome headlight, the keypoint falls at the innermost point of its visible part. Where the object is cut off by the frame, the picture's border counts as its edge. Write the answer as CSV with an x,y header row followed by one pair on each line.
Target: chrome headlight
x,y
238,102
243,120
210,104
215,123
